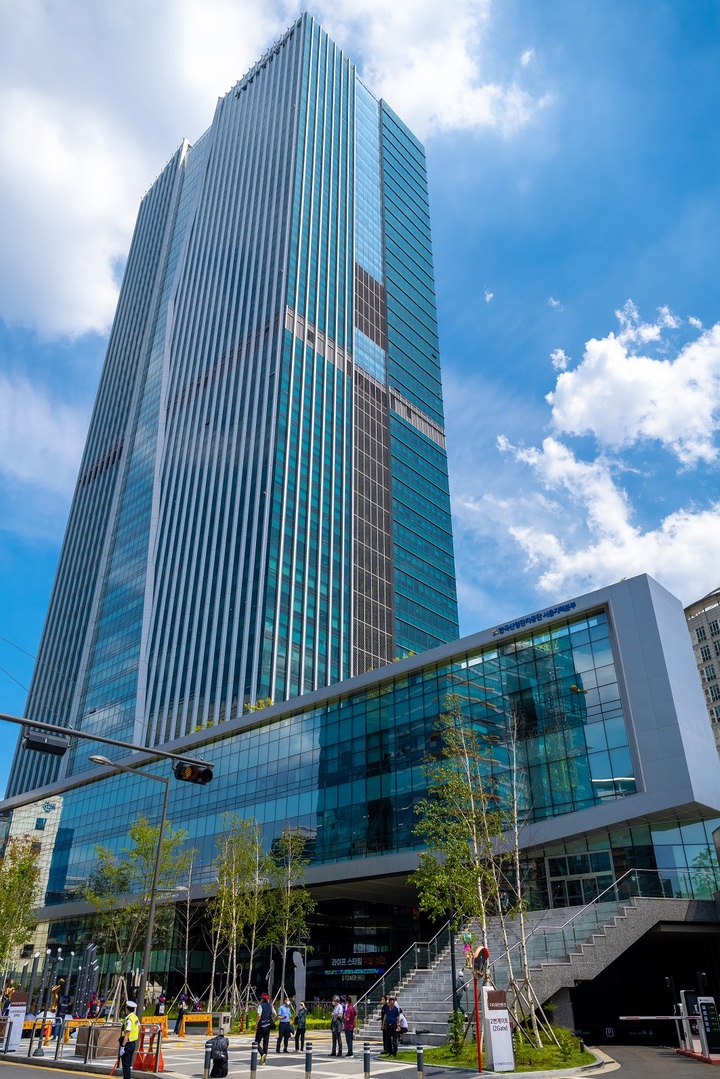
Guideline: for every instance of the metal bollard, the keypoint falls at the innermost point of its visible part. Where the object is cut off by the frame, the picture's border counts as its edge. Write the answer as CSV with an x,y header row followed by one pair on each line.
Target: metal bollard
x,y
308,1060
366,1059
206,1065
60,1036
157,1048
420,1062
253,1060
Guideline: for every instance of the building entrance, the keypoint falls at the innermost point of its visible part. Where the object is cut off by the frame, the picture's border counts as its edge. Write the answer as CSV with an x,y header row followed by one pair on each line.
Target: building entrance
x,y
577,879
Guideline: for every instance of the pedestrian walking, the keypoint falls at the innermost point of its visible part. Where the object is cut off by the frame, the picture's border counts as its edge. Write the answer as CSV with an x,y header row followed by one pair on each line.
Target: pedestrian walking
x,y
390,1028
336,1027
266,1019
300,1026
219,1047
181,1012
284,1027
349,1024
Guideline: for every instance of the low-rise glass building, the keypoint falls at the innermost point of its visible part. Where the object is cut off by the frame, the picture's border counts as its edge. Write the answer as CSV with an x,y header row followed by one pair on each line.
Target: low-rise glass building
x,y
597,697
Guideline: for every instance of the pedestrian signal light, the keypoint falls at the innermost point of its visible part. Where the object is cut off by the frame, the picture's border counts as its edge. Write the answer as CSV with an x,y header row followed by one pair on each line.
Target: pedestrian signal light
x,y
192,773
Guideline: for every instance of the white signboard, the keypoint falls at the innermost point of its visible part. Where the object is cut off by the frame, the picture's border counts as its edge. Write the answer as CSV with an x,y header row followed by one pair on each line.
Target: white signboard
x,y
16,1018
499,1053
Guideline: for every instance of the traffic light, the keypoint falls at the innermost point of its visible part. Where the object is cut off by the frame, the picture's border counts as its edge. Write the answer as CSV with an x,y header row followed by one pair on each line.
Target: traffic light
x,y
192,773
45,743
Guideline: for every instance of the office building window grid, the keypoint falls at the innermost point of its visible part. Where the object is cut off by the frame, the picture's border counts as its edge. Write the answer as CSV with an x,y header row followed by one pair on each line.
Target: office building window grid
x,y
367,749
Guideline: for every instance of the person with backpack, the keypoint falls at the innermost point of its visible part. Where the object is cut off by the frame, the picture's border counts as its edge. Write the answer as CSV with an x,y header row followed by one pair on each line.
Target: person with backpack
x,y
349,1024
265,1023
219,1055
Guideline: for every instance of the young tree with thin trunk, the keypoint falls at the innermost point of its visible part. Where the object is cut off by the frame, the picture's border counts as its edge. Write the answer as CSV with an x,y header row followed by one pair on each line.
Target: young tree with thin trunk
x,y
471,824
119,889
19,878
459,823
240,909
291,902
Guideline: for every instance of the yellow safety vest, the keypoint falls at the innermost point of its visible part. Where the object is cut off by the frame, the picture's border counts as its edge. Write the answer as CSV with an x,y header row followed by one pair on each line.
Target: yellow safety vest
x,y
132,1027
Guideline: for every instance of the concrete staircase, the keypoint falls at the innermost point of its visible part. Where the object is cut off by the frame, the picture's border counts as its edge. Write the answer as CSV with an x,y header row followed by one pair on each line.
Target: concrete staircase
x,y
565,946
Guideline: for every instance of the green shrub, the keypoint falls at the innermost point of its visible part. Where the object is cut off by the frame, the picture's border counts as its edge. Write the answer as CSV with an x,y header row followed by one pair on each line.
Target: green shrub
x,y
456,1036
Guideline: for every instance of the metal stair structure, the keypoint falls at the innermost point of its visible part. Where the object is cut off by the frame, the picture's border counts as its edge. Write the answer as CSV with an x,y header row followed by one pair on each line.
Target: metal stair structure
x,y
565,946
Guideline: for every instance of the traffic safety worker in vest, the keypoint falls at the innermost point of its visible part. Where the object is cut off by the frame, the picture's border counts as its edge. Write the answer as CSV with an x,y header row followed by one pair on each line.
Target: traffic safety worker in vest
x,y
129,1039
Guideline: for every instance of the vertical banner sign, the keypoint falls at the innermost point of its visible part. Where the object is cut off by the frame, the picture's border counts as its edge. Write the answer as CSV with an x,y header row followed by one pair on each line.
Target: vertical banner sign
x,y
709,1026
499,1054
16,1018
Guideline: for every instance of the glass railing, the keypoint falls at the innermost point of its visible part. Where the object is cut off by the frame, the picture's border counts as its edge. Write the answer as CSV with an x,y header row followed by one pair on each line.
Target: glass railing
x,y
419,956
546,943
552,943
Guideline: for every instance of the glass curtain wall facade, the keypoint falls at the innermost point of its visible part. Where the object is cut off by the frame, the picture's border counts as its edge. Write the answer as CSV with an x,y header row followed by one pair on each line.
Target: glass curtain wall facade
x,y
588,711
350,770
263,504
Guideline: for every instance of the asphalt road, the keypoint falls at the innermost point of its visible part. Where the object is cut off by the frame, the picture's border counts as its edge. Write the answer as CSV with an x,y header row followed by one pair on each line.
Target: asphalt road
x,y
651,1062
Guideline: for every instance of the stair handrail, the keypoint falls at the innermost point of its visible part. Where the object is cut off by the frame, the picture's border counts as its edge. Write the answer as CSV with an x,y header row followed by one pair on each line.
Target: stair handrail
x,y
542,927
363,1000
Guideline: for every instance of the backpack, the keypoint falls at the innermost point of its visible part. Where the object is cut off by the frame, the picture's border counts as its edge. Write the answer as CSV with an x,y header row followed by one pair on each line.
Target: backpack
x,y
219,1048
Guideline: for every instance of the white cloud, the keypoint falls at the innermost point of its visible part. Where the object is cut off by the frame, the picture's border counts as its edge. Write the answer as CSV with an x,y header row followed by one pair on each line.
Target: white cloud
x,y
95,98
429,69
488,295
634,331
623,397
678,551
41,440
560,360
695,322
572,509
66,184
527,57
552,302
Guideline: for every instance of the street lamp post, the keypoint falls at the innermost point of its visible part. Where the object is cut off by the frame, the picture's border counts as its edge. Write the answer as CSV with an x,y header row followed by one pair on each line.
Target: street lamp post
x,y
156,871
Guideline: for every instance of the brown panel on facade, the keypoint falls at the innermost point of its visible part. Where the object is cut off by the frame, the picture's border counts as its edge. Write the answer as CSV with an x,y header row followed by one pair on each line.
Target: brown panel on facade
x,y
373,629
370,316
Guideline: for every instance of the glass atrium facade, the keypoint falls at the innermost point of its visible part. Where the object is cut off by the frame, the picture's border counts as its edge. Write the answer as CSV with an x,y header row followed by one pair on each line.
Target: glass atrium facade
x,y
350,770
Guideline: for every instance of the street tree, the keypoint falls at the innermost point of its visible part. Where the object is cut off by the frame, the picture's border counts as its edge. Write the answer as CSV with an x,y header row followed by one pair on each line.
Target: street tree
x,y
240,909
459,823
119,888
471,822
19,881
291,904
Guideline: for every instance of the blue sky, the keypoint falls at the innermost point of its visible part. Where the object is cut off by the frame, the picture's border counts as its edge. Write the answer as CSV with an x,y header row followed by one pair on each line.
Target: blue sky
x,y
574,171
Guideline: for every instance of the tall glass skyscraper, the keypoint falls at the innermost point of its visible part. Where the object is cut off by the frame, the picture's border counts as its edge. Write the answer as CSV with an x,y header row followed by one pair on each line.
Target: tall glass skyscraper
x,y
262,508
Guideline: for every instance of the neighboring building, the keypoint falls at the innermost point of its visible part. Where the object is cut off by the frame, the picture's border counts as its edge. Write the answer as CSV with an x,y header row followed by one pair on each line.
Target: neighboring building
x,y
41,822
703,619
617,761
262,507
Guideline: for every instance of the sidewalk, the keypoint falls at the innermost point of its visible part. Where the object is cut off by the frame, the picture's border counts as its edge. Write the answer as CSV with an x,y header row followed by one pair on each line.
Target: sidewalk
x,y
184,1059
